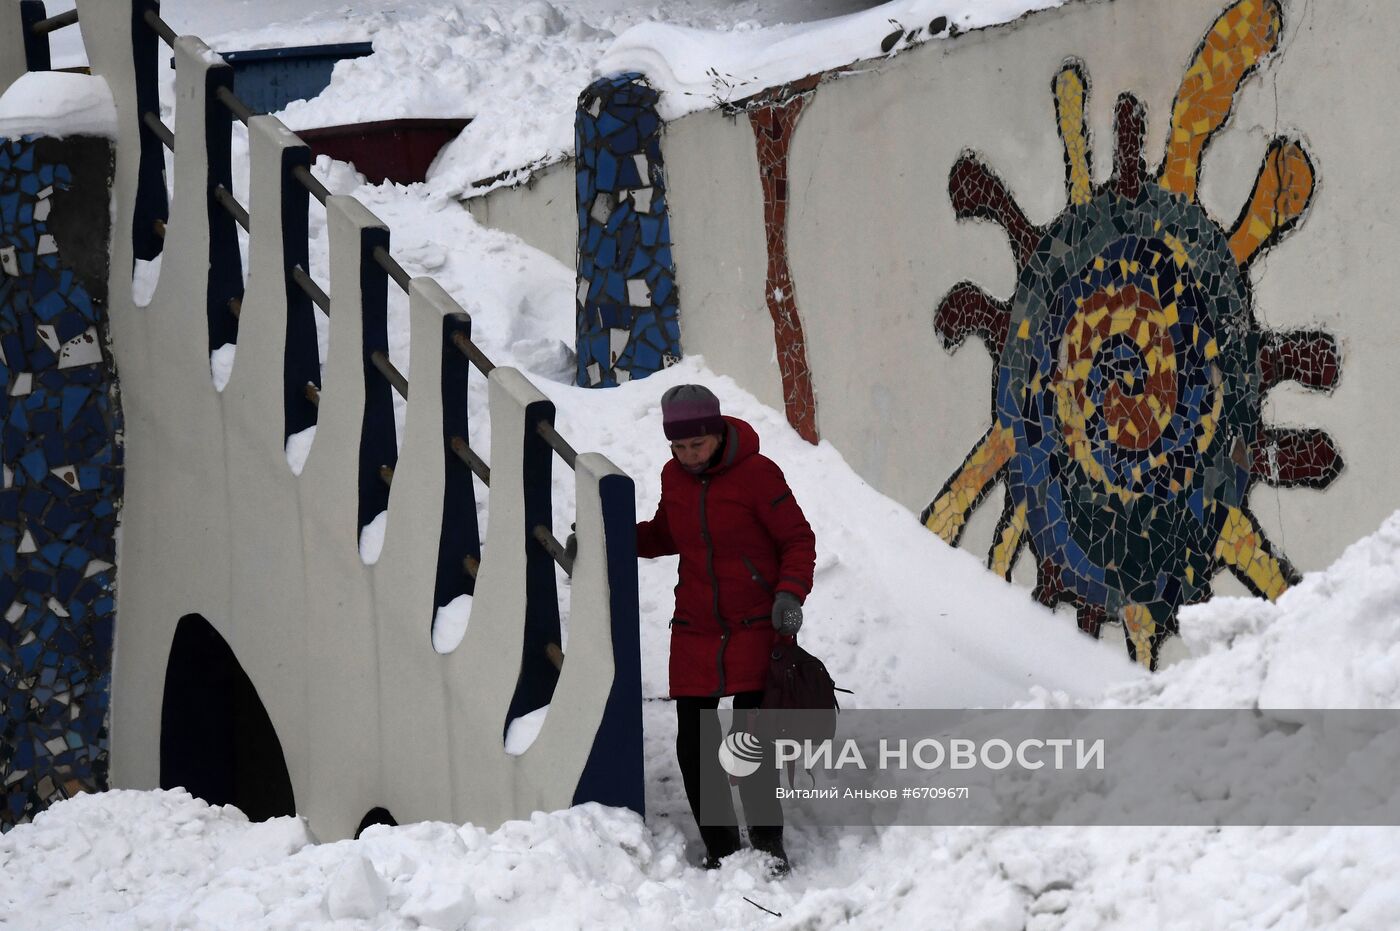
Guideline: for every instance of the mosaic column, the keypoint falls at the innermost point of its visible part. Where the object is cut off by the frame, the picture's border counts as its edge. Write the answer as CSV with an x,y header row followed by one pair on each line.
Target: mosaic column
x,y
61,457
773,116
628,305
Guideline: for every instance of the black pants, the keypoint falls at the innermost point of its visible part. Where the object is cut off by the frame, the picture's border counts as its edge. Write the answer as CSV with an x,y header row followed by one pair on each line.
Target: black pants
x,y
697,750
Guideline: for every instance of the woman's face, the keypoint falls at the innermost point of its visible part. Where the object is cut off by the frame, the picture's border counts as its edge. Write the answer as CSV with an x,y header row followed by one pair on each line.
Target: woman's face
x,y
694,453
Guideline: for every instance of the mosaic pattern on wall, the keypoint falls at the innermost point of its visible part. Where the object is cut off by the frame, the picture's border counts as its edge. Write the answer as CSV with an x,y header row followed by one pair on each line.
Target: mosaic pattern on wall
x,y
61,461
1130,369
773,117
628,306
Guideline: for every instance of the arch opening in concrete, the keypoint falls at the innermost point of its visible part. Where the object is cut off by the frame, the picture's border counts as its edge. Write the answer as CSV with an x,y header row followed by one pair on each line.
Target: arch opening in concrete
x,y
376,815
216,740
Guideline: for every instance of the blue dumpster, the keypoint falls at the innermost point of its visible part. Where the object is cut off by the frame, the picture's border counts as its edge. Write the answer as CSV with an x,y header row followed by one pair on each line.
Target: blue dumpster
x,y
267,79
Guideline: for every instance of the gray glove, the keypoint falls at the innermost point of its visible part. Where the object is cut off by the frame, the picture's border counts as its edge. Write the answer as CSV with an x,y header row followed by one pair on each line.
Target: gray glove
x,y
787,614
571,547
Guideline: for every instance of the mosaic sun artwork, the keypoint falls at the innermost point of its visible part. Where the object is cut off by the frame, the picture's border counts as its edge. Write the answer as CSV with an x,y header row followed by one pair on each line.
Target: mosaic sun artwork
x,y
1130,370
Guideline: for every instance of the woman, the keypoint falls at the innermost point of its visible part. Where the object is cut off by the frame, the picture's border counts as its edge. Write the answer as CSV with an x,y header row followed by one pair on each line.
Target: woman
x,y
746,558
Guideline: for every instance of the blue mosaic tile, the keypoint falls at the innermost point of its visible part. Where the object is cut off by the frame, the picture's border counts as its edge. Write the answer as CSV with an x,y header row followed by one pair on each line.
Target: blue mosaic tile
x,y
62,464
624,250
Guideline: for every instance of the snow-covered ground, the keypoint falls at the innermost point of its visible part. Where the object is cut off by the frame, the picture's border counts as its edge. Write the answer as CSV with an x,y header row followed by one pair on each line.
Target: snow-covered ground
x,y
901,618
165,860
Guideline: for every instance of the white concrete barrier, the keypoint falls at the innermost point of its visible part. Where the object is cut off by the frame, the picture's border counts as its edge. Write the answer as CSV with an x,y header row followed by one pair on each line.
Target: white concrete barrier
x,y
217,525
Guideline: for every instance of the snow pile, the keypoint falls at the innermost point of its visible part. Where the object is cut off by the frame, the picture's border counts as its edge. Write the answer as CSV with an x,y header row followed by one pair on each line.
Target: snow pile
x,y
372,538
499,65
1332,641
161,859
695,68
143,860
1113,879
51,103
299,447
450,623
221,365
133,854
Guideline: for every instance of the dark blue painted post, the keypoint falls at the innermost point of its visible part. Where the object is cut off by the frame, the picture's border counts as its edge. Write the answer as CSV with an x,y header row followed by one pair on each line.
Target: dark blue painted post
x,y
301,362
152,205
36,47
460,537
535,687
378,443
225,265
615,773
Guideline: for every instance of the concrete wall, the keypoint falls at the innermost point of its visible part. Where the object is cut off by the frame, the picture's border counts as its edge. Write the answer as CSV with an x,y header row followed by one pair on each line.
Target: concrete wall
x,y
216,524
717,224
540,211
874,243
12,56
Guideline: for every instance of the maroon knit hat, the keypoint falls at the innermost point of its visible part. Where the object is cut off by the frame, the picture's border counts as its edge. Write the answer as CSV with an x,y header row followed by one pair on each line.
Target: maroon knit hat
x,y
690,410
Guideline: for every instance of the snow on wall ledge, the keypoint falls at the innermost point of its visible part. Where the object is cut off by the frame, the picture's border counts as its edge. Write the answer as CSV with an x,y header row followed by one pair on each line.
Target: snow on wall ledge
x,y
696,69
56,105
337,656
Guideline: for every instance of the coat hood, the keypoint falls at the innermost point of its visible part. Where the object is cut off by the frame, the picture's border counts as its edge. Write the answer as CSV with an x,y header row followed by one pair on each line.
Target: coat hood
x,y
740,442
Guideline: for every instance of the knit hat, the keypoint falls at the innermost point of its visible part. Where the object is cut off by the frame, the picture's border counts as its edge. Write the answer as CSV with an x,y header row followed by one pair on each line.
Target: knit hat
x,y
690,410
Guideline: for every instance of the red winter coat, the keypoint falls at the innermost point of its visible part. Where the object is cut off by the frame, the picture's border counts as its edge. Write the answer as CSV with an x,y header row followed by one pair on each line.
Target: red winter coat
x,y
742,539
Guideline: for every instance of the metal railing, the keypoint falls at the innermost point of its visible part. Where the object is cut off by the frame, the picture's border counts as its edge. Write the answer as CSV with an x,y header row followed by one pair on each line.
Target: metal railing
x,y
54,23
318,296
37,26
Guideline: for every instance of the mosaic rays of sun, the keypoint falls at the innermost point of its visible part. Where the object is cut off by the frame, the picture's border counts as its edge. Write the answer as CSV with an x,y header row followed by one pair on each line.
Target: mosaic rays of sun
x,y
1129,368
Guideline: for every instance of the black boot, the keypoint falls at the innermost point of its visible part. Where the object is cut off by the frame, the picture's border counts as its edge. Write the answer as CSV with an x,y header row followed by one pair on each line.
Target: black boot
x,y
769,840
720,842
